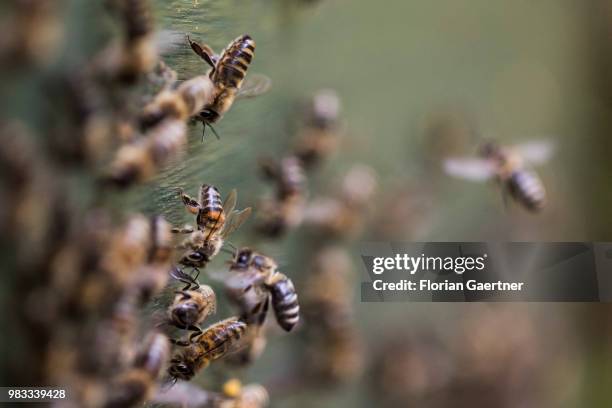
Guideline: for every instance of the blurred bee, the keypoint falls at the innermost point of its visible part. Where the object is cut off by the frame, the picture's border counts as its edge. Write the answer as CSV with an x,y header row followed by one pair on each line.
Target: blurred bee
x,y
510,167
182,102
255,278
218,340
136,54
32,32
334,352
236,395
138,384
215,222
141,159
285,211
319,137
227,73
344,214
191,305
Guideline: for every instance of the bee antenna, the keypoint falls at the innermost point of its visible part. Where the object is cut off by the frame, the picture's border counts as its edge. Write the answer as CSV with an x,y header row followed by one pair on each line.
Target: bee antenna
x,y
229,244
214,132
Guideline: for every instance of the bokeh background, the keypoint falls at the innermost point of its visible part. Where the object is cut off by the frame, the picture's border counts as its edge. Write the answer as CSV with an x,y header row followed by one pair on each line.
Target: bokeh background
x,y
417,80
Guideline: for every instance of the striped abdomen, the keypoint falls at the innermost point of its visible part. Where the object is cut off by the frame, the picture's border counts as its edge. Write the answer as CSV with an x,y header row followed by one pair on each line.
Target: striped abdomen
x,y
526,187
210,216
232,66
285,302
220,338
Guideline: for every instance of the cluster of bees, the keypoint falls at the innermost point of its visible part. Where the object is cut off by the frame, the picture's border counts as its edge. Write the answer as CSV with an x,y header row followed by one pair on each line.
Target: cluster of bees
x,y
92,277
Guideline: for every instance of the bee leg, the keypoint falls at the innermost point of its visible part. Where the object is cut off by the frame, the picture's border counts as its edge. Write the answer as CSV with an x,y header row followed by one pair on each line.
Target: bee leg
x,y
214,132
185,229
181,343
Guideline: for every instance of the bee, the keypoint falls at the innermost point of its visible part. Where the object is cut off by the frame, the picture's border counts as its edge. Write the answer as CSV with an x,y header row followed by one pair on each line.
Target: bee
x,y
254,281
191,305
319,137
138,384
215,222
140,160
344,214
510,167
237,395
153,276
330,325
32,33
182,102
227,73
215,342
126,60
285,211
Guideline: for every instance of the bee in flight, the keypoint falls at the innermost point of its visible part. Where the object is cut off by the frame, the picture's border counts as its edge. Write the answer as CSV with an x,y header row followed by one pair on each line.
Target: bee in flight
x,y
218,340
215,222
228,71
255,279
510,166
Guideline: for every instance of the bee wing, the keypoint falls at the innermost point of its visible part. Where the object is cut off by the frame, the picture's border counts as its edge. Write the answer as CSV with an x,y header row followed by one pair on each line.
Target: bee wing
x,y
230,201
254,85
237,218
536,151
470,168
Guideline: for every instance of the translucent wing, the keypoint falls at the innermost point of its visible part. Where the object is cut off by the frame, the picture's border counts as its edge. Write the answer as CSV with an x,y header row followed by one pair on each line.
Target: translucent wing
x,y
237,218
470,168
230,202
536,151
254,85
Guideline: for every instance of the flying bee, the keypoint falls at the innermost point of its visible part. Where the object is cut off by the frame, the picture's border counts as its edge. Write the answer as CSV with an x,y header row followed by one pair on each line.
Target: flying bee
x,y
215,222
218,340
344,214
228,71
139,383
255,279
191,305
285,211
319,136
510,167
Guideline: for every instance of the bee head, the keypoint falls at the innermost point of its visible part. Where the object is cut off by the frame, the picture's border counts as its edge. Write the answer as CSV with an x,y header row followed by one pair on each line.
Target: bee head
x,y
242,258
180,370
490,149
186,313
195,258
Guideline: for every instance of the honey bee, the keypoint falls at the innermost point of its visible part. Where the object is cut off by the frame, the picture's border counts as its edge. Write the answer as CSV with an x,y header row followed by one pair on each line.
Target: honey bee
x,y
138,161
191,305
236,395
227,73
136,54
182,102
139,383
255,278
153,276
285,211
32,33
330,325
343,214
215,222
218,340
510,167
319,137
